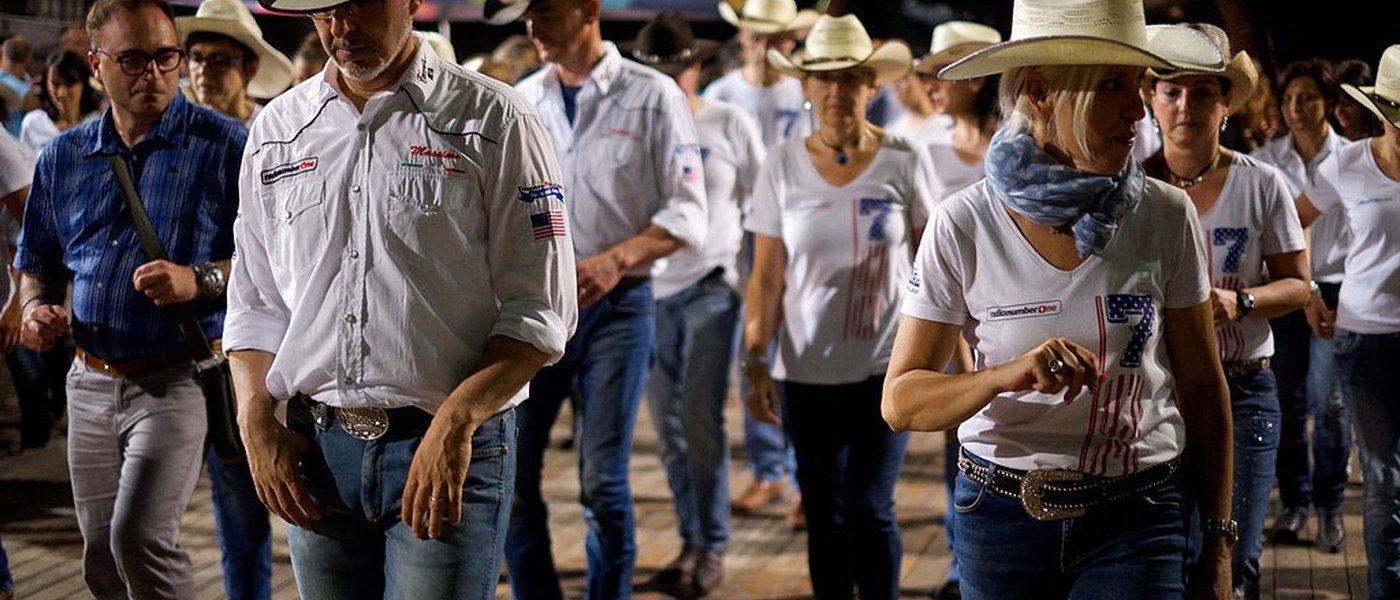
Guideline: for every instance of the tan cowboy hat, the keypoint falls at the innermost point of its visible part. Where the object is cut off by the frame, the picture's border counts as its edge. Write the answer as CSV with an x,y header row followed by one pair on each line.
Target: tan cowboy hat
x,y
1081,32
837,43
668,44
231,19
1384,97
1240,70
768,16
953,40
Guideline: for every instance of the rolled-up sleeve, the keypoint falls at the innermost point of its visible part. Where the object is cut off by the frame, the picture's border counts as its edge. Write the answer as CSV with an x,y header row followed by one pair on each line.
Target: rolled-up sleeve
x,y
530,250
257,317
679,171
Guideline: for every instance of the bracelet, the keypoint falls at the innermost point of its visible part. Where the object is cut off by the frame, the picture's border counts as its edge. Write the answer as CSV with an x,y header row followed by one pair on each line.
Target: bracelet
x,y
209,280
1227,527
25,305
752,360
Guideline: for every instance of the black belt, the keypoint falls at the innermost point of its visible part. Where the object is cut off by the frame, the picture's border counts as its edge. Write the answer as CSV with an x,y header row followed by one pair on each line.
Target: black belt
x,y
1056,494
1242,368
366,423
627,283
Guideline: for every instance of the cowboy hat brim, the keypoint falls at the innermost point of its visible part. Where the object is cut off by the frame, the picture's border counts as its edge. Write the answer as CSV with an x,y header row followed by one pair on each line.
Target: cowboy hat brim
x,y
1387,110
701,51
1241,73
804,19
274,69
891,62
300,6
1186,49
931,62
504,12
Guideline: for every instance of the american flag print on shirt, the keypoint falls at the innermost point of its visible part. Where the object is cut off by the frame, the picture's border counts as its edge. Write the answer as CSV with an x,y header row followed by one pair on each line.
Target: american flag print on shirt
x,y
1115,417
547,225
1230,243
547,220
866,287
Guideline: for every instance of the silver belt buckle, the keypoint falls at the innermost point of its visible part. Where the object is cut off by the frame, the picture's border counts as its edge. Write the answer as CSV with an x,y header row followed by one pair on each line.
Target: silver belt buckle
x,y
368,423
1033,494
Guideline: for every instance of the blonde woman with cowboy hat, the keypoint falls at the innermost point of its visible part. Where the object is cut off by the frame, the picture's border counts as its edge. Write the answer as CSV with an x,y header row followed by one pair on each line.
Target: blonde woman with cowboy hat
x,y
835,220
1255,253
1364,180
1097,401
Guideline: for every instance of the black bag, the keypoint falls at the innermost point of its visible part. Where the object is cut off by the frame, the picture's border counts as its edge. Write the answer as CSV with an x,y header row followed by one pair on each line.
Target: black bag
x,y
211,370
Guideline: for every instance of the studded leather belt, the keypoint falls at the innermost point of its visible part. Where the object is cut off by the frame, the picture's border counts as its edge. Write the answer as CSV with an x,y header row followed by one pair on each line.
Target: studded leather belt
x,y
1057,494
1242,368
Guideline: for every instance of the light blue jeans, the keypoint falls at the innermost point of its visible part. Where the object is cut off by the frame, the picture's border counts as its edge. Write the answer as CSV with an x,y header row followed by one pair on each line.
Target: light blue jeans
x,y
360,548
603,372
695,331
1367,364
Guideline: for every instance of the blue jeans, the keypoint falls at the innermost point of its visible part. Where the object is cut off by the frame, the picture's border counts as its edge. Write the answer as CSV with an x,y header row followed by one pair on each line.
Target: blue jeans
x,y
7,583
242,526
1254,407
1131,548
1367,365
604,368
360,548
847,464
770,455
695,331
1306,369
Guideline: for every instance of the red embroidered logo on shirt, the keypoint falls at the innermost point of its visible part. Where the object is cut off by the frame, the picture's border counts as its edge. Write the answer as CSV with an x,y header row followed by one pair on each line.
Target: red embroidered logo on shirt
x,y
433,153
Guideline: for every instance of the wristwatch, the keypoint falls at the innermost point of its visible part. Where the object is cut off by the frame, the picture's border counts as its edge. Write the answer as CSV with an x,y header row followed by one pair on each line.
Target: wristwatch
x,y
751,360
1244,301
1227,527
209,280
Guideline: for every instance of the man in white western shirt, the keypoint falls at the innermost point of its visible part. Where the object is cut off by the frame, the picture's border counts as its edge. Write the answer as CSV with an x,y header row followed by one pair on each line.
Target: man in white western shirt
x,y
631,163
404,268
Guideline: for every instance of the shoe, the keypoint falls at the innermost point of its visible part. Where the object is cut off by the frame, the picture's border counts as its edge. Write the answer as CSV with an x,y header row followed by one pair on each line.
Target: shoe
x,y
709,572
679,570
1289,525
951,591
796,515
1331,533
759,494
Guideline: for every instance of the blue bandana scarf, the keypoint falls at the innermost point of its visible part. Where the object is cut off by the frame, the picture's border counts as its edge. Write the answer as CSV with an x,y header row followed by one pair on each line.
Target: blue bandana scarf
x,y
1048,192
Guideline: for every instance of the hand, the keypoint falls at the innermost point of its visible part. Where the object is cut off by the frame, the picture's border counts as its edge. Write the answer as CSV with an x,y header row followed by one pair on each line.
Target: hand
x,y
274,452
10,326
1322,320
1210,576
597,275
1056,365
433,492
165,282
1225,305
43,325
762,398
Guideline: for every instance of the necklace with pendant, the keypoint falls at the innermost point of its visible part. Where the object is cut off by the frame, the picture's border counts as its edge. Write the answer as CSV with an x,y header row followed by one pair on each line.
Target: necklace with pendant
x,y
1187,182
840,150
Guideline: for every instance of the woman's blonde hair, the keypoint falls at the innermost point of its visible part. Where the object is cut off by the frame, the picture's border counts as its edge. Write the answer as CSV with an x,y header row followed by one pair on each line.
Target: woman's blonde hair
x,y
1069,86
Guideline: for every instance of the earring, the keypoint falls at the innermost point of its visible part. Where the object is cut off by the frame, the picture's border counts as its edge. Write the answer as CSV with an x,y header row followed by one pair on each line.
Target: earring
x,y
1155,125
1224,122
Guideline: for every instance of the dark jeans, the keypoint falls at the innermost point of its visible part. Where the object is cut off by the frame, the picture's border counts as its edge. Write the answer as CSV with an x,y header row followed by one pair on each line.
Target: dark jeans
x,y
847,464
242,526
1367,364
1306,369
40,383
1254,406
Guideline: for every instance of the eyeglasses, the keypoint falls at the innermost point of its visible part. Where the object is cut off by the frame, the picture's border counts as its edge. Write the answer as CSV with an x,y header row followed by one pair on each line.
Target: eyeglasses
x,y
354,9
214,61
135,62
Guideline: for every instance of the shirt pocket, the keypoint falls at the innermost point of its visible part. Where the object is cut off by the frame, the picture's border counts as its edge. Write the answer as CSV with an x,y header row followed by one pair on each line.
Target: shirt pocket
x,y
428,216
297,223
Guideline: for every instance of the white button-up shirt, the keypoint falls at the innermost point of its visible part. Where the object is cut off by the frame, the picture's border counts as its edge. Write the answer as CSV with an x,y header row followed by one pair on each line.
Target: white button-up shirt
x,y
631,157
377,251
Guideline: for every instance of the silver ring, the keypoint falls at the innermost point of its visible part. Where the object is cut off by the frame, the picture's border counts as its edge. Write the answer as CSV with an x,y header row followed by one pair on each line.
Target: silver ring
x,y
1055,366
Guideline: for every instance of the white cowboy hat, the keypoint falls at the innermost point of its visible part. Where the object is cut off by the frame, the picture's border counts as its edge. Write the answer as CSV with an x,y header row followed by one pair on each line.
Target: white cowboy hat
x,y
1081,32
1240,70
768,16
837,43
503,12
231,19
1384,97
955,39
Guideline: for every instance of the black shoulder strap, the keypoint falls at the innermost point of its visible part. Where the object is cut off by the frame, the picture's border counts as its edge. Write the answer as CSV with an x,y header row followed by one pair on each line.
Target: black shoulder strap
x,y
184,317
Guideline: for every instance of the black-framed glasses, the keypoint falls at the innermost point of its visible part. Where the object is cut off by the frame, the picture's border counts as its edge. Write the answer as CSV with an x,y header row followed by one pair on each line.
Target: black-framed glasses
x,y
135,62
354,9
215,61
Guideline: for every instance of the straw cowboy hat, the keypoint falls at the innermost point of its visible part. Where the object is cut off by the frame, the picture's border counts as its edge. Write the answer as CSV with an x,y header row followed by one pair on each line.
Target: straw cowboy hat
x,y
668,44
1240,70
768,16
1083,32
837,43
231,19
501,12
955,39
1384,97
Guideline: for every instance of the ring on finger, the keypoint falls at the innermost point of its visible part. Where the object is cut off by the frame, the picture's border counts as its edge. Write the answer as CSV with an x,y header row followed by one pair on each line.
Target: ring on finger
x,y
1055,366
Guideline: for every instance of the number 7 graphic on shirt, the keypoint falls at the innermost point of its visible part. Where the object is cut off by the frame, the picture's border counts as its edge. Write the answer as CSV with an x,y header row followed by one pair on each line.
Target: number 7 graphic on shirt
x,y
881,207
1235,238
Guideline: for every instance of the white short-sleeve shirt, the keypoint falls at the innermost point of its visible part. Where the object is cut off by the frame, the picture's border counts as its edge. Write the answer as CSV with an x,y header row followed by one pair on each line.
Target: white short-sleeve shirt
x,y
778,108
1351,180
848,255
976,270
1253,218
1330,236
950,168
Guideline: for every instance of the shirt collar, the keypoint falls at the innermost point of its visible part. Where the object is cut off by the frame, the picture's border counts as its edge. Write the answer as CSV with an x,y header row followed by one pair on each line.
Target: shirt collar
x,y
167,130
603,75
419,77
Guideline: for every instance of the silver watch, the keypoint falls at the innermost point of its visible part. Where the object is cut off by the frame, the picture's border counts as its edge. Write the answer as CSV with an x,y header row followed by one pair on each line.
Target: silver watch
x,y
209,280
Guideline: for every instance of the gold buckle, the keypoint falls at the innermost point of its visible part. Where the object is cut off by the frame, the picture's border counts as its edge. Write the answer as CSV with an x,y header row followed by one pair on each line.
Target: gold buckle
x,y
367,423
1033,494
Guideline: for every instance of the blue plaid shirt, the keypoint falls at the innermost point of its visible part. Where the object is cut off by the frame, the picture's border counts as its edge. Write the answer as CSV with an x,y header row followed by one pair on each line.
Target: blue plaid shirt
x,y
76,225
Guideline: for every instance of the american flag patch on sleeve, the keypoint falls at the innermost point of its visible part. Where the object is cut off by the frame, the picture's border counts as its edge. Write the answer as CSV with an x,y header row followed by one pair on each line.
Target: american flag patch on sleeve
x,y
547,225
